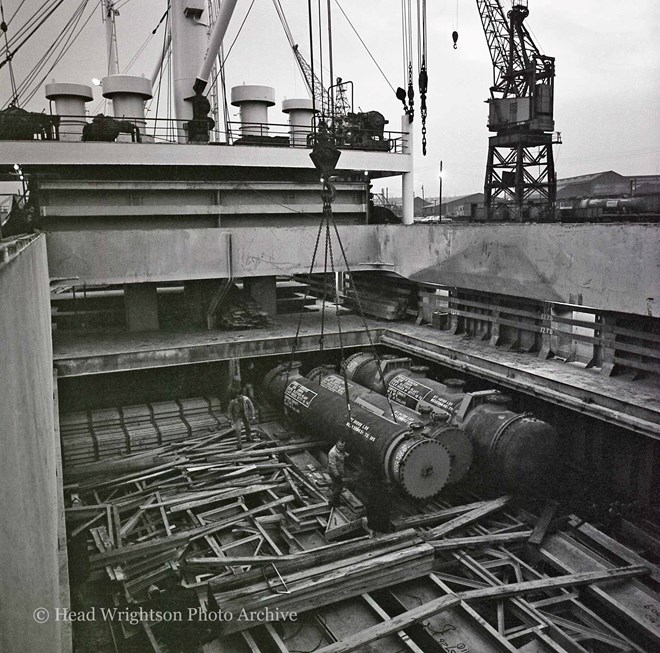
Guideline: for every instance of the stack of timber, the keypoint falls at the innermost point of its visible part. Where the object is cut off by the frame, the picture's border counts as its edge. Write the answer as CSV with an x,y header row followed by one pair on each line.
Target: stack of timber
x,y
321,286
381,294
293,296
101,434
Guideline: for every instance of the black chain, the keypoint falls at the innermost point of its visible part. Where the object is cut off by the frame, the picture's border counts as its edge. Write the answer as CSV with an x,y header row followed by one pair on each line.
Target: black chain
x,y
411,93
423,86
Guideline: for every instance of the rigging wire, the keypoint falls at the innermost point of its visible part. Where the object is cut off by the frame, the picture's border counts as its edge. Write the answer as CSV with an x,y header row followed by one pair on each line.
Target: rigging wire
x,y
166,53
3,28
139,51
24,28
311,56
330,217
16,11
408,40
358,301
331,92
365,45
14,49
294,347
225,102
64,49
318,6
171,126
56,51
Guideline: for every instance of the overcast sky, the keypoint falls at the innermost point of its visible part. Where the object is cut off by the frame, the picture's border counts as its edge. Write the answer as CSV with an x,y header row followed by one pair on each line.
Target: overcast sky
x,y
606,92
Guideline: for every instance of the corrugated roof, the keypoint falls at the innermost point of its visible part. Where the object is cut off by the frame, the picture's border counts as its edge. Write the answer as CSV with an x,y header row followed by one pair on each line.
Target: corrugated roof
x,y
581,179
451,200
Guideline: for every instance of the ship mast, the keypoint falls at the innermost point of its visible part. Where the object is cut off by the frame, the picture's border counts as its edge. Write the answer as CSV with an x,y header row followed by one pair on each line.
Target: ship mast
x,y
109,13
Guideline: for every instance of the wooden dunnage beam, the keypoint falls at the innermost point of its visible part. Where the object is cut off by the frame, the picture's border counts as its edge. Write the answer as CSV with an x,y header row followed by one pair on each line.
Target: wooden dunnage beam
x,y
468,518
415,615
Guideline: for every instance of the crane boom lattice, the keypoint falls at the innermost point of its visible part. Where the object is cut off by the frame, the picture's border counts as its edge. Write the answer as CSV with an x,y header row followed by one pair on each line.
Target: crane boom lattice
x,y
520,173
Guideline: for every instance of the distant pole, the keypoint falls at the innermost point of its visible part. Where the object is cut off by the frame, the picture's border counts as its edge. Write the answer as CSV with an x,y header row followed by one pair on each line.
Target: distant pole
x,y
440,192
407,182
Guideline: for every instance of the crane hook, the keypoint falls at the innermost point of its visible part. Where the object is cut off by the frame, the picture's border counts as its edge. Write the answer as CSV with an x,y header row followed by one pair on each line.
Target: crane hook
x,y
454,36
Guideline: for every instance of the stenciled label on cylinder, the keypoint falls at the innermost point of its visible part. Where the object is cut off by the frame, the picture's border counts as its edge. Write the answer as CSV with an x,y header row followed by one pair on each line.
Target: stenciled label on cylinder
x,y
334,384
297,395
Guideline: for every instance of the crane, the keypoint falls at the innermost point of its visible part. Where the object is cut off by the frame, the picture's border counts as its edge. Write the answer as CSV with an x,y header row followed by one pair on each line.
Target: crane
x,y
313,83
328,101
520,169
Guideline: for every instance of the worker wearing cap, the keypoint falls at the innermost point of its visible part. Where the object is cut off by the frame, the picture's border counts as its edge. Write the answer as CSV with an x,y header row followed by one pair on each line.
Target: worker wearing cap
x,y
241,411
336,457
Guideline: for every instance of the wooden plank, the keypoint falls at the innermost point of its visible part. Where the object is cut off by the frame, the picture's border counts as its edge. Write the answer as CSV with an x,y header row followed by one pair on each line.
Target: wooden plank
x,y
410,645
322,555
136,463
253,561
427,519
337,584
402,621
468,518
634,602
586,533
179,539
221,496
543,523
269,451
643,539
496,539
132,522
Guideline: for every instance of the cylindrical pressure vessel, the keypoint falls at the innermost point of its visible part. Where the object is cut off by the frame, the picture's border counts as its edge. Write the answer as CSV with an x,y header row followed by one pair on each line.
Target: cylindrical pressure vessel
x,y
420,466
455,440
514,449
403,384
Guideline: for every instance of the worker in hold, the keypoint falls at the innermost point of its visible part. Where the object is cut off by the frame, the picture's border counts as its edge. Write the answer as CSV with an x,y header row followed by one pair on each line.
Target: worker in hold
x,y
336,457
241,411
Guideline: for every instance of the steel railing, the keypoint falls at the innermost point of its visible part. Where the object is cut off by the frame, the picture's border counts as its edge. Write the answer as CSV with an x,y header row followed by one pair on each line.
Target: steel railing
x,y
171,131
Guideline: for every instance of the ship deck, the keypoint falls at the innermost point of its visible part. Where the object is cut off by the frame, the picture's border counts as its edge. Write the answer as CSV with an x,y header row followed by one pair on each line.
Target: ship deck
x,y
617,400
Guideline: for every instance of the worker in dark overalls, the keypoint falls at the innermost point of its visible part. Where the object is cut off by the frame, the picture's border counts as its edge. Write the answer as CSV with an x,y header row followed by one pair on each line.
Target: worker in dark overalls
x,y
241,411
336,463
